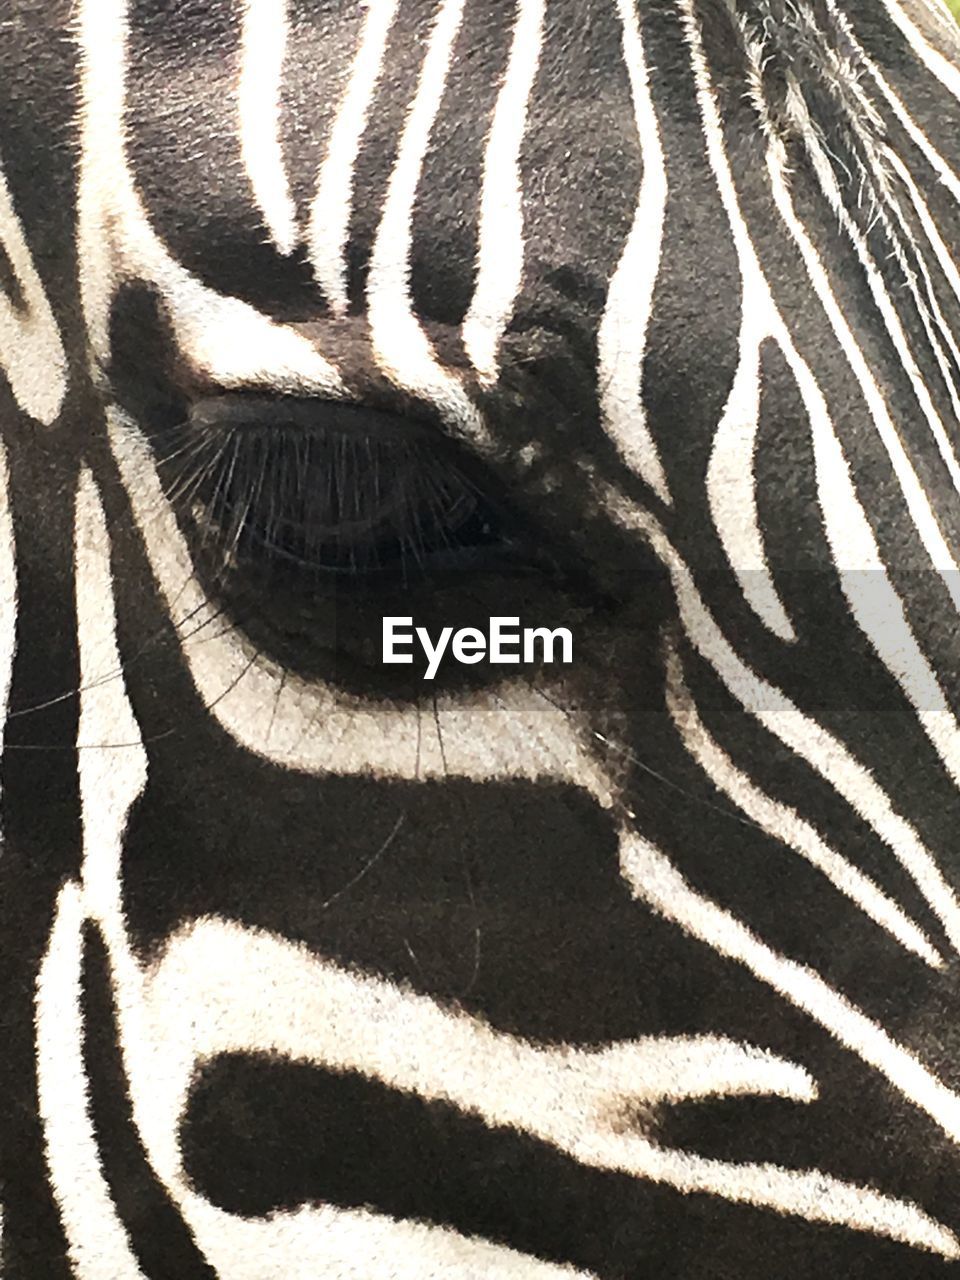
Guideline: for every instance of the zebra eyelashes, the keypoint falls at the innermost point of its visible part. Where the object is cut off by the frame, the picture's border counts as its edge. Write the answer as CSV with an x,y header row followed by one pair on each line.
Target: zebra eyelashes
x,y
317,489
276,490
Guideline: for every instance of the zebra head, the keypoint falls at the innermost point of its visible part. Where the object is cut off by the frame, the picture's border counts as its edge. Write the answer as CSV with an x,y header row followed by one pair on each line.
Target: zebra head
x,y
637,319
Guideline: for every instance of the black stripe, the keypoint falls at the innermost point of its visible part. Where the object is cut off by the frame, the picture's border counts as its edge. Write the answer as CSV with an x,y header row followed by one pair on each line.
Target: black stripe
x,y
402,63
41,827
445,220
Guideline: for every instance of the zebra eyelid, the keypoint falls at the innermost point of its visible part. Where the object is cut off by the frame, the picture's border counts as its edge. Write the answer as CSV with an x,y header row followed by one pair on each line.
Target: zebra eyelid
x,y
241,409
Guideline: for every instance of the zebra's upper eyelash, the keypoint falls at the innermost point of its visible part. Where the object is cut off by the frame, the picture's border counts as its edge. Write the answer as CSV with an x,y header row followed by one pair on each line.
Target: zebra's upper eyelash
x,y
320,487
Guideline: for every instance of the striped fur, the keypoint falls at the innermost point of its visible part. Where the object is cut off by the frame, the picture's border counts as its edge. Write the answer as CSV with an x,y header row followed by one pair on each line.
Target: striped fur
x,y
642,969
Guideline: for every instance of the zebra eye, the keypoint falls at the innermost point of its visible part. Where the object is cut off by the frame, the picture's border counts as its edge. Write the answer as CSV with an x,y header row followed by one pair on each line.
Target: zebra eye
x,y
324,488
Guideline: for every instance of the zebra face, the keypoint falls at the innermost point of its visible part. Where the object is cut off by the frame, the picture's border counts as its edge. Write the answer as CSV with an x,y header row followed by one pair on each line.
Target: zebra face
x,y
637,319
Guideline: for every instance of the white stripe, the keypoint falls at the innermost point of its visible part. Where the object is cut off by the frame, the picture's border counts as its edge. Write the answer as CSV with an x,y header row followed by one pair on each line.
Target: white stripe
x,y
112,763
622,339
97,1241
330,213
731,476
401,347
112,768
656,881
314,1242
501,244
784,823
225,988
263,49
31,351
110,780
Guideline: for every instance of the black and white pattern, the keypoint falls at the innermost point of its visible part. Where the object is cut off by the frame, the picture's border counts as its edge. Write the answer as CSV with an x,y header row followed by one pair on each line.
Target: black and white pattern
x,y
636,316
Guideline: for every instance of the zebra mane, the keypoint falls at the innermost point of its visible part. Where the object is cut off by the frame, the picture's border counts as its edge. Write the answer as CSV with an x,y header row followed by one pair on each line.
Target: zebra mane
x,y
808,73
811,86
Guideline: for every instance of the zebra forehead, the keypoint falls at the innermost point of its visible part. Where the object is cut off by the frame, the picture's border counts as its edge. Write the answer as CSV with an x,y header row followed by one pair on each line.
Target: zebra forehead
x,y
512,163
323,102
322,116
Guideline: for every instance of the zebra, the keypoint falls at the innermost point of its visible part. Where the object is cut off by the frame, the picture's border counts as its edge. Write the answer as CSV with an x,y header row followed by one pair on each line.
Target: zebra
x,y
639,317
